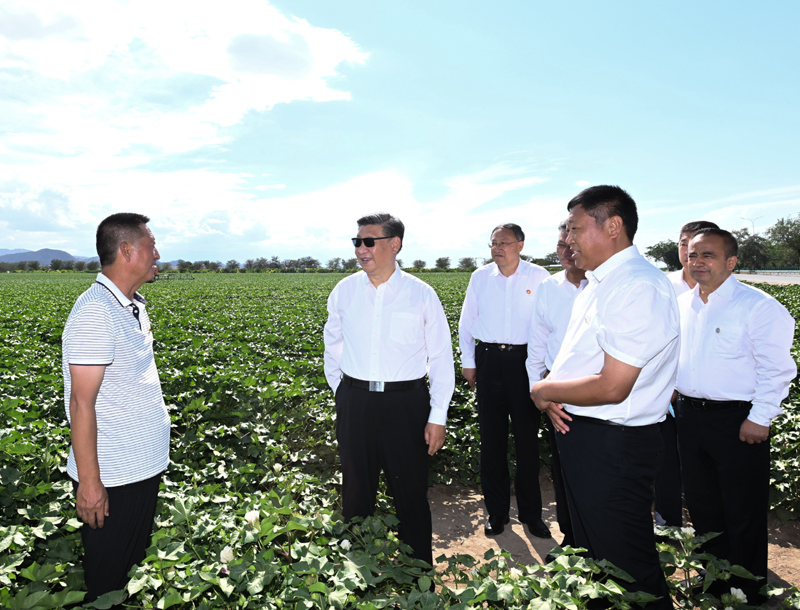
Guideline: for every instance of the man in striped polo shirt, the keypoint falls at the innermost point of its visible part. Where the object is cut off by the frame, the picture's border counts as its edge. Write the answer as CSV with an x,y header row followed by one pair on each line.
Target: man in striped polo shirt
x,y
112,393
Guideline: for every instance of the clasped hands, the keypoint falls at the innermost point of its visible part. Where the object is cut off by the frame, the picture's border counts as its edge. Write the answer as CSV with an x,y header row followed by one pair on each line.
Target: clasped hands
x,y
555,410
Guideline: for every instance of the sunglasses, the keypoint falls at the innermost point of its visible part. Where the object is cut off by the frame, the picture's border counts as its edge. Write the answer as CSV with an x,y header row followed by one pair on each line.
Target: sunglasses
x,y
369,242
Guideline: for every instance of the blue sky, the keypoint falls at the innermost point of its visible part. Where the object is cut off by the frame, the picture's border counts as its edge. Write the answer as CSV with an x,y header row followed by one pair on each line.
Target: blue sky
x,y
250,128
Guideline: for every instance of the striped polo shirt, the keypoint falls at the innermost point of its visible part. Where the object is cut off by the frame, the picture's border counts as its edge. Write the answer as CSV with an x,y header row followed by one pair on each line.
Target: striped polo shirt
x,y
132,420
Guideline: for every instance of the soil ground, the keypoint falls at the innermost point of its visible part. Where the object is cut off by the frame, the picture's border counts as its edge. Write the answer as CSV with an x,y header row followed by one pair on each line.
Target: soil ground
x,y
459,516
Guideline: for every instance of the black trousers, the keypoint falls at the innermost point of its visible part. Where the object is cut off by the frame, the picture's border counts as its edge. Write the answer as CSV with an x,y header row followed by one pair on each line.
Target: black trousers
x,y
386,431
608,474
111,551
503,392
726,482
669,501
562,506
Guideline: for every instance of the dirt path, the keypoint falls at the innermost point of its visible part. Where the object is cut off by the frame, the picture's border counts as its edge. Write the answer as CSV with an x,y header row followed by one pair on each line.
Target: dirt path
x,y
458,518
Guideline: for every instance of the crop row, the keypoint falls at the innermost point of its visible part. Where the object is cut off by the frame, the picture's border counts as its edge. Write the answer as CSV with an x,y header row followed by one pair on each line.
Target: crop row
x,y
240,358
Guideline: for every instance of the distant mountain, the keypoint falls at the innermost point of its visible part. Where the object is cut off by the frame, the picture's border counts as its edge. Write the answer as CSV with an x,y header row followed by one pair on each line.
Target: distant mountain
x,y
4,251
44,256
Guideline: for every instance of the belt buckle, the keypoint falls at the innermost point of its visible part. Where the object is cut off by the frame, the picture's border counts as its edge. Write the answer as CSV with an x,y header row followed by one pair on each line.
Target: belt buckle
x,y
376,386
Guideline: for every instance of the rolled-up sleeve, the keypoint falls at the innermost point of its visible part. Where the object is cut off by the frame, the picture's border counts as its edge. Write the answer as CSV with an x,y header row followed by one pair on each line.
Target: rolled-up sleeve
x,y
469,313
537,340
334,342
440,359
770,329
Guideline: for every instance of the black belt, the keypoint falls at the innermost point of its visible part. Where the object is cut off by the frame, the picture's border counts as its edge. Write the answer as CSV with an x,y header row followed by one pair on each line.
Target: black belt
x,y
704,404
384,386
605,422
505,347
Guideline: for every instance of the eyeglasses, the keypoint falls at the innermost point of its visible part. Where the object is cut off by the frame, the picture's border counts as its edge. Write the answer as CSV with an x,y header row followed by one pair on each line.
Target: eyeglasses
x,y
502,244
369,242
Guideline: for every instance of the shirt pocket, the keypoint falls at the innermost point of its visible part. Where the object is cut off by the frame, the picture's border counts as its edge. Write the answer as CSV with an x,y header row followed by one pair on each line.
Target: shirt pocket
x,y
728,338
405,327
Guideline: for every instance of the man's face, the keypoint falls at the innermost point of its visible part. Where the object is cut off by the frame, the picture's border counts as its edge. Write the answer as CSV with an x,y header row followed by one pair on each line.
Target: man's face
x,y
590,244
683,249
507,250
380,258
144,255
708,264
564,252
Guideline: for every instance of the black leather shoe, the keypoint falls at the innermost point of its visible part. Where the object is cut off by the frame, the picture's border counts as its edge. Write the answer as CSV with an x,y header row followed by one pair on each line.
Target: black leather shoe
x,y
494,526
537,527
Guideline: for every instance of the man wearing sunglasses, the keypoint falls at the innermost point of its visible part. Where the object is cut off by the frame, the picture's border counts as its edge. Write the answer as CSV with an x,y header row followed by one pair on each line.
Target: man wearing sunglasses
x,y
497,312
386,329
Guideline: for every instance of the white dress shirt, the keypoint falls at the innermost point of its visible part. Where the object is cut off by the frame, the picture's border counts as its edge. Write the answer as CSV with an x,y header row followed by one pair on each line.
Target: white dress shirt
x,y
678,283
628,310
497,309
736,347
551,313
395,332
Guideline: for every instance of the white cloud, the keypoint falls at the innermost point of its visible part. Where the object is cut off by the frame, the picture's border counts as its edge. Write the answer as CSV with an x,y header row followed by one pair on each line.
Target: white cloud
x,y
582,183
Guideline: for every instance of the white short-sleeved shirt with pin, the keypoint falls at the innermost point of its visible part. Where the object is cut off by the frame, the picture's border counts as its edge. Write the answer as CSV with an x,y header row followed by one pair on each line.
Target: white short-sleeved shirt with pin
x,y
628,310
395,332
132,421
497,309
736,347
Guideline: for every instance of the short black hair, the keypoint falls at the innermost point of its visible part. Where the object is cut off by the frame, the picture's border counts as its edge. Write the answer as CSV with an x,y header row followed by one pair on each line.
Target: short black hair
x,y
117,228
518,234
604,201
693,227
728,240
391,226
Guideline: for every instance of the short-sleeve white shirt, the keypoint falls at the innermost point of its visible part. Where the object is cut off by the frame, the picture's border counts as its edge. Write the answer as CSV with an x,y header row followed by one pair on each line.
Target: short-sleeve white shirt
x,y
132,420
497,309
551,314
395,332
736,347
628,310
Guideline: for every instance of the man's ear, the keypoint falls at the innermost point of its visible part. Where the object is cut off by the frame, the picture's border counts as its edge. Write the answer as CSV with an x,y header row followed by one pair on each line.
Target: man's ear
x,y
730,264
614,226
125,251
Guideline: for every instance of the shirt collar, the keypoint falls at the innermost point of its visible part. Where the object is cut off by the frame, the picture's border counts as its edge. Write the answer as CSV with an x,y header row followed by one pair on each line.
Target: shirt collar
x,y
520,270
112,288
393,281
561,278
614,262
726,288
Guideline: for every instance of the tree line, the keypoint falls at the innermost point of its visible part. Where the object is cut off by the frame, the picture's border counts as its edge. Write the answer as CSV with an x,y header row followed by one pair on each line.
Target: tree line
x,y
55,265
261,264
779,247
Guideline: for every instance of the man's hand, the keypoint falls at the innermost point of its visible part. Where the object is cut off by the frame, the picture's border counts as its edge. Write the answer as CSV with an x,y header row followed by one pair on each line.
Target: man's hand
x,y
92,503
470,375
555,410
751,432
434,437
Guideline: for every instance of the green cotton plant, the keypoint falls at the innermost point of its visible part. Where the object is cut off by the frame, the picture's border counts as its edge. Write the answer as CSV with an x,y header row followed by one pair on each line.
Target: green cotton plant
x,y
683,560
248,512
571,581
